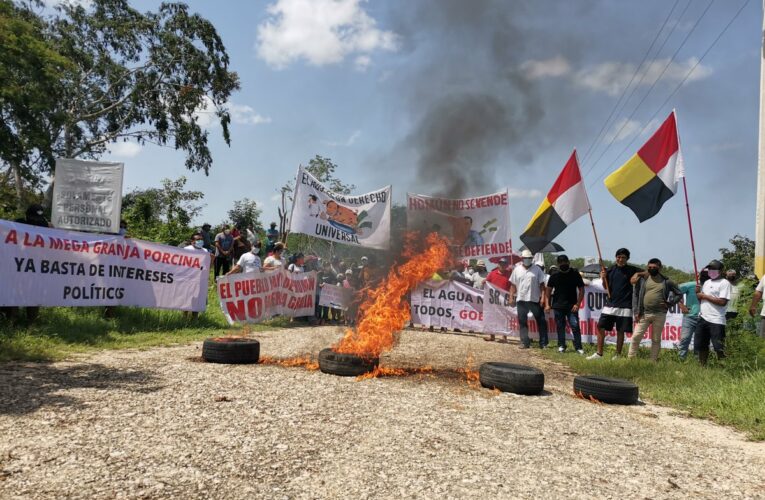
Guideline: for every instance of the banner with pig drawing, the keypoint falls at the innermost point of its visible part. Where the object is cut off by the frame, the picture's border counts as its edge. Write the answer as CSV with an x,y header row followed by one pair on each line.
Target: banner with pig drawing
x,y
360,220
476,227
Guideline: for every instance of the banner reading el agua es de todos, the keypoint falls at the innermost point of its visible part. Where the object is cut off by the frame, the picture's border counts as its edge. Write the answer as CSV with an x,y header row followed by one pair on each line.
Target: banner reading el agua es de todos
x,y
87,195
258,296
51,267
448,304
476,227
358,220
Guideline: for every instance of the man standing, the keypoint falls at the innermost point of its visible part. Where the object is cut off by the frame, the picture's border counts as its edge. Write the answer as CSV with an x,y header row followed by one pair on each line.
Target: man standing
x,y
568,293
713,296
652,296
249,262
731,310
753,306
480,275
207,237
500,278
197,244
617,311
690,309
224,246
272,236
527,292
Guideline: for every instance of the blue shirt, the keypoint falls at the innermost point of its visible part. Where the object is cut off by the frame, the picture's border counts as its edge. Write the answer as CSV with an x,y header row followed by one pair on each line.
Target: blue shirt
x,y
690,300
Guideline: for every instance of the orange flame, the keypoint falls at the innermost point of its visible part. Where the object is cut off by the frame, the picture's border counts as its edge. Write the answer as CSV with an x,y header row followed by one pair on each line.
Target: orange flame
x,y
383,371
385,312
472,377
305,361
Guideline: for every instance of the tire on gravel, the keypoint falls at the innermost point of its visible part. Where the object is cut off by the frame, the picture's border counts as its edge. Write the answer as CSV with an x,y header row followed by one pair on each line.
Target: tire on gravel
x,y
606,390
345,365
231,350
508,377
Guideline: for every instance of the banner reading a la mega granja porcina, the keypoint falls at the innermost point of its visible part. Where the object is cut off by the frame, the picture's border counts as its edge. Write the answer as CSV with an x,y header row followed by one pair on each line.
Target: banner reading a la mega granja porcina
x,y
40,266
476,227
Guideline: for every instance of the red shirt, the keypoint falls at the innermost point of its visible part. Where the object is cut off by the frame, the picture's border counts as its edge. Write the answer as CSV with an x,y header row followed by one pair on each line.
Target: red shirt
x,y
499,279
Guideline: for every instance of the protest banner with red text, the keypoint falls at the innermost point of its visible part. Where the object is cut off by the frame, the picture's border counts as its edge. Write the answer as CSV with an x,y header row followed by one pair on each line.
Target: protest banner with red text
x,y
476,227
500,318
448,304
41,266
258,296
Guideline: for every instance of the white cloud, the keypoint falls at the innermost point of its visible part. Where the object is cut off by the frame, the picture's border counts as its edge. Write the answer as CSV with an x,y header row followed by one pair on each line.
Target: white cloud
x,y
125,149
241,114
613,77
517,193
346,143
321,32
554,67
625,128
362,63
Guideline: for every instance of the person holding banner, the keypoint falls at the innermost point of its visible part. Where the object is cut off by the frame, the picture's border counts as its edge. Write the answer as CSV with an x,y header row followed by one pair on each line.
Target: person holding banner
x,y
499,277
527,293
249,262
617,312
568,288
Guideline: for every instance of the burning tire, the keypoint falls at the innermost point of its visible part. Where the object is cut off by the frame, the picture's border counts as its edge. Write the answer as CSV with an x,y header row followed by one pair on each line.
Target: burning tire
x,y
345,365
508,377
606,390
231,350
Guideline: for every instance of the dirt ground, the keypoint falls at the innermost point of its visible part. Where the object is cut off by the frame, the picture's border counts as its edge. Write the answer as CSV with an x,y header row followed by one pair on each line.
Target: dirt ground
x,y
160,424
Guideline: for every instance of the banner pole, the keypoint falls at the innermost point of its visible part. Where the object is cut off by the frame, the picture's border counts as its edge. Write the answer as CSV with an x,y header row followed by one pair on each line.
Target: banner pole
x,y
690,230
597,246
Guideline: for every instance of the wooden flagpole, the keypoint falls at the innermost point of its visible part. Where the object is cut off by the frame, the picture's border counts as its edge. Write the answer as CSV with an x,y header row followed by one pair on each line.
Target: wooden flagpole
x,y
690,230
594,232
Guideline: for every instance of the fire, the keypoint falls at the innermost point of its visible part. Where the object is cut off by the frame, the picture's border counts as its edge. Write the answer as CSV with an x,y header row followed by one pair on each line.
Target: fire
x,y
385,311
383,371
305,361
472,377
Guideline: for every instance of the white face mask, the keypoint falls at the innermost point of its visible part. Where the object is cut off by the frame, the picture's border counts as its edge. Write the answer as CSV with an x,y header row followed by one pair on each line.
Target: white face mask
x,y
527,262
199,243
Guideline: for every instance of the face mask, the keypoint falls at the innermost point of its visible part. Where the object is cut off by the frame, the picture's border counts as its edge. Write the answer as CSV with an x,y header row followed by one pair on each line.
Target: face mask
x,y
199,243
713,274
527,262
564,267
653,271
470,272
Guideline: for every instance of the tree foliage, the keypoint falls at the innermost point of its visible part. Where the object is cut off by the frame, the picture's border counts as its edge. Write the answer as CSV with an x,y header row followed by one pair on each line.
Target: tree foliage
x,y
246,214
740,257
163,215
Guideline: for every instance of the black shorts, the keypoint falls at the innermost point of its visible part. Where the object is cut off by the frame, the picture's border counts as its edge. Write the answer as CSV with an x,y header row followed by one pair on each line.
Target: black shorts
x,y
706,332
623,324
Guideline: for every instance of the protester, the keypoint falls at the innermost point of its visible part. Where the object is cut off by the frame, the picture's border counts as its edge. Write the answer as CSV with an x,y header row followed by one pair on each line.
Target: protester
x,y
336,265
758,292
274,260
324,277
690,309
731,310
272,236
480,274
123,228
653,294
249,262
500,278
241,245
564,293
527,293
224,243
458,273
617,311
713,297
207,237
197,244
297,265
34,216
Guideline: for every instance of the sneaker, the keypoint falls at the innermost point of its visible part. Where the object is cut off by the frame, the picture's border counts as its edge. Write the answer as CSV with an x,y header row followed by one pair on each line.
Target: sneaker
x,y
561,349
524,346
595,356
580,351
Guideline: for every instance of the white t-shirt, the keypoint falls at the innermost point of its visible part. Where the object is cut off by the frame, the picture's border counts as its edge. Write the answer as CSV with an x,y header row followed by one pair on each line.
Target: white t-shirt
x,y
527,282
735,291
478,280
761,288
249,262
719,288
272,261
294,268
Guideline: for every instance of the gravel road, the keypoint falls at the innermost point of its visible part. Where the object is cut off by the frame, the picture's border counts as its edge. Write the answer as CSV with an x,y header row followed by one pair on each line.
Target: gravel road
x,y
160,424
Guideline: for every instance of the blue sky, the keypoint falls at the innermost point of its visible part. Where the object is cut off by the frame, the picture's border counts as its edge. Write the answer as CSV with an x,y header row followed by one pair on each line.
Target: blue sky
x,y
359,82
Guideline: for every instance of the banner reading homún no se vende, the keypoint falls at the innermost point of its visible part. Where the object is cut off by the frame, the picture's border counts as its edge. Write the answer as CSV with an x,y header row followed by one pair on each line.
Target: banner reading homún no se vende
x,y
51,267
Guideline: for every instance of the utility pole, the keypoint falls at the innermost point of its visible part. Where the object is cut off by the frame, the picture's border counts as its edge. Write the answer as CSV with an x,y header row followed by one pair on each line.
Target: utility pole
x,y
759,232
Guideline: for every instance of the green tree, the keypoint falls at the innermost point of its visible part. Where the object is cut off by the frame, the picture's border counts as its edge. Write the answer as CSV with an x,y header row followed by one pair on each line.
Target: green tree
x,y
163,214
31,69
740,257
246,214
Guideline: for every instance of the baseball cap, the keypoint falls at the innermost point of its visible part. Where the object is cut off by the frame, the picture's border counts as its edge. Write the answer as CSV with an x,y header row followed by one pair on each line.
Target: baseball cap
x,y
526,254
503,260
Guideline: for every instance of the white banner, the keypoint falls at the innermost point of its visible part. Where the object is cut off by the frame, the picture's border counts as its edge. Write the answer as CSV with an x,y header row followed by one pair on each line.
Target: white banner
x,y
334,296
477,227
87,196
502,319
448,304
50,267
258,296
358,220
